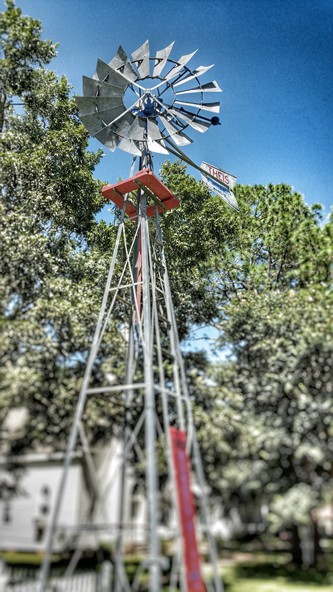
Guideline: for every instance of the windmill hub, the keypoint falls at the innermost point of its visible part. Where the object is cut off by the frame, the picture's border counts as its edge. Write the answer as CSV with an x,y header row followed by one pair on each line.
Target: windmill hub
x,y
148,106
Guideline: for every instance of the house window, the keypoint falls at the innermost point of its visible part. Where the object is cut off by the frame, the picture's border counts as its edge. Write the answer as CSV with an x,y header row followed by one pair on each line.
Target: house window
x,y
44,509
45,491
135,503
7,513
39,531
135,508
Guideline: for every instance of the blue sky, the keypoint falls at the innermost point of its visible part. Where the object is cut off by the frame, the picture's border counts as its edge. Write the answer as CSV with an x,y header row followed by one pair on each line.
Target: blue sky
x,y
273,59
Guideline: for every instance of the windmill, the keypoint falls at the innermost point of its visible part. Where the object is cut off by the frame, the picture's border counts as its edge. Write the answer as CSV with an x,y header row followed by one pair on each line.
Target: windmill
x,y
142,105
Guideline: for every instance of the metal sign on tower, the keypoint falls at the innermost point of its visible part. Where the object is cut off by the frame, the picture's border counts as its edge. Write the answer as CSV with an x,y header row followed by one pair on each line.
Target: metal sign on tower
x,y
139,105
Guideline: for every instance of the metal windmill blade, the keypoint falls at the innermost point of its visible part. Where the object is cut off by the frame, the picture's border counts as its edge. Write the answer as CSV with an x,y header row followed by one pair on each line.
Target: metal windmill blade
x,y
161,59
119,110
141,59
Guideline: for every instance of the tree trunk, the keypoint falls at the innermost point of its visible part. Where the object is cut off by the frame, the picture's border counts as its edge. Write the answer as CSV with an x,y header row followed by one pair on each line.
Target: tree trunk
x,y
296,550
317,550
3,100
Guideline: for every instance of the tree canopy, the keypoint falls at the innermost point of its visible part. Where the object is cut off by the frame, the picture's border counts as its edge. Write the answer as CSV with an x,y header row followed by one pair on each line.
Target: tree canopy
x,y
49,198
266,427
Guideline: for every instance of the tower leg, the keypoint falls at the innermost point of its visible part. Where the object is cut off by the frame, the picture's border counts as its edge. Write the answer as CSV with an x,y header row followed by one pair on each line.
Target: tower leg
x,y
76,423
150,423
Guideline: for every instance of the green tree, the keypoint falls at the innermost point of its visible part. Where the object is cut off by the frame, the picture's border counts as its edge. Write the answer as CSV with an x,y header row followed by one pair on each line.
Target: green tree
x,y
264,279
53,253
195,235
282,372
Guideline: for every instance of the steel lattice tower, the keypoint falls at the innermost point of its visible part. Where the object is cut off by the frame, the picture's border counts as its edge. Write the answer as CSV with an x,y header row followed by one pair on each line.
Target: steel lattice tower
x,y
151,386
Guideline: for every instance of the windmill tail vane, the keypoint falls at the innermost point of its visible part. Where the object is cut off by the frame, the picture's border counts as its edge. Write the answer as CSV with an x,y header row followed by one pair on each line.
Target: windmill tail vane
x,y
149,103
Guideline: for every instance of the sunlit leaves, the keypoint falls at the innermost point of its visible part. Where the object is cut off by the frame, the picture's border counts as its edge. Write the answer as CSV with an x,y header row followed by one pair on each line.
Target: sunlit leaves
x,y
51,282
265,274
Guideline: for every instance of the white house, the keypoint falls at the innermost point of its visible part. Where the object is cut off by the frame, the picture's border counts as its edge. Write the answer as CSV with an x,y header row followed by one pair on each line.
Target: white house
x,y
24,518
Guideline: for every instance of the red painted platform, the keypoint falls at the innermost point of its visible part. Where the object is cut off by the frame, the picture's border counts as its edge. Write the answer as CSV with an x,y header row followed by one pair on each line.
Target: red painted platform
x,y
146,180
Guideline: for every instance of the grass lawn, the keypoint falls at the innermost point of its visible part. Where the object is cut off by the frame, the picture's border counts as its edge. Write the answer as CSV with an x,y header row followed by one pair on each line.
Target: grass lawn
x,y
272,585
241,572
265,574
26,559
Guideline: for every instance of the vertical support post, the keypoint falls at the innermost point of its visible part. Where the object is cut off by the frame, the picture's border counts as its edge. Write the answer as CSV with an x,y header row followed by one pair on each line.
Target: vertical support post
x,y
120,581
150,427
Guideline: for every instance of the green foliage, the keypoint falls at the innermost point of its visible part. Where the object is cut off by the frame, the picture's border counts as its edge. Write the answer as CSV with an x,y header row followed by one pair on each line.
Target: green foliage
x,y
21,50
282,348
263,278
194,236
294,507
13,558
54,261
